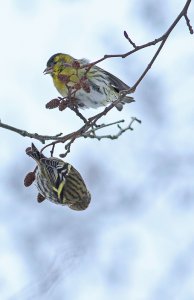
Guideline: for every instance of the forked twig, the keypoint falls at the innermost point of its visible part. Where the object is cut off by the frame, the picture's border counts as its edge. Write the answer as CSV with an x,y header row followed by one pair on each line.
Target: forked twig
x,y
88,130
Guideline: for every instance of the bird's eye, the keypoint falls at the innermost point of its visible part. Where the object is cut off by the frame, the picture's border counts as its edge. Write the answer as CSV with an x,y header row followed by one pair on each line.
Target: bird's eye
x,y
51,64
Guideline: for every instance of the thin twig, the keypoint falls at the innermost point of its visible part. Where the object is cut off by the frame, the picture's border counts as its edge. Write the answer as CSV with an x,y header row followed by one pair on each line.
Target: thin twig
x,y
24,133
75,109
188,24
90,125
52,150
109,136
92,133
92,121
161,39
103,126
130,41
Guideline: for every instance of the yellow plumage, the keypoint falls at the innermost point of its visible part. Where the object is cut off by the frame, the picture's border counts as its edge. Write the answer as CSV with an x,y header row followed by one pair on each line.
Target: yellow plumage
x,y
93,88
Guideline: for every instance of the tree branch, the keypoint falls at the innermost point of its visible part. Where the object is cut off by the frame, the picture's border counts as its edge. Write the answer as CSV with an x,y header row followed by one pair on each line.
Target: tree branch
x,y
183,13
91,134
161,39
24,133
88,130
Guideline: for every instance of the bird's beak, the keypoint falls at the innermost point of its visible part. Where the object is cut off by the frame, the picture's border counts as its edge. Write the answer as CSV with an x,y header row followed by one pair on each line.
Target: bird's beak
x,y
48,70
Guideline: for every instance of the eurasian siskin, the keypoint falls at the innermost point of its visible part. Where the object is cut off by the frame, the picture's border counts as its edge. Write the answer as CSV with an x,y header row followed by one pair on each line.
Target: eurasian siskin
x,y
94,87
59,181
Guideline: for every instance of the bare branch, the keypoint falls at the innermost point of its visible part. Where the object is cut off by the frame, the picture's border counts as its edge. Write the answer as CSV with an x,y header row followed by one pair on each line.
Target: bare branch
x,y
75,109
103,126
130,41
188,24
109,136
92,133
41,138
161,39
68,147
88,130
91,122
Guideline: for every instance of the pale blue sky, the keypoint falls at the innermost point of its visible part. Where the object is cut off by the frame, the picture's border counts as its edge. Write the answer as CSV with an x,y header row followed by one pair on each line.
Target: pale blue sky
x,y
136,239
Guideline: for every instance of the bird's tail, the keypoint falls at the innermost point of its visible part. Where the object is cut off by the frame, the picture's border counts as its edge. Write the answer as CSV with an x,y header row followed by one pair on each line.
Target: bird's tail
x,y
34,153
126,99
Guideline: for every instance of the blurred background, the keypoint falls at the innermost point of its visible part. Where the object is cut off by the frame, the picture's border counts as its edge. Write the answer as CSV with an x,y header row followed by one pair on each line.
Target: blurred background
x,y
136,239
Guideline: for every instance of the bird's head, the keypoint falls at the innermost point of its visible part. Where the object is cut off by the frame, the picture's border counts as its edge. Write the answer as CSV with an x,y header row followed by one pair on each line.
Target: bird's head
x,y
34,153
58,62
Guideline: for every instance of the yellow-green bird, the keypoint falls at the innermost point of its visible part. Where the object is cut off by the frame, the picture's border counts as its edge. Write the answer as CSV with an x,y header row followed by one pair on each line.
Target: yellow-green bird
x,y
59,181
94,87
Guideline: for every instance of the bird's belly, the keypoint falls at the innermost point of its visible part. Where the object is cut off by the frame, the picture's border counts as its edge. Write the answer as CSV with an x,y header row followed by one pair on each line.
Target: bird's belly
x,y
93,99
99,94
45,189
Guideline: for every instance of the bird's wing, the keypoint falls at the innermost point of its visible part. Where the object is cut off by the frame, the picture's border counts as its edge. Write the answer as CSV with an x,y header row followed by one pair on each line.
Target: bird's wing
x,y
116,83
55,169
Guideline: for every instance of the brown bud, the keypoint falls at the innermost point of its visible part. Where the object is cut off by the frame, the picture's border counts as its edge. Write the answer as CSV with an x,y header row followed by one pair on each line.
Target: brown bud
x,y
76,64
28,180
84,78
77,86
85,87
40,198
63,78
53,103
125,34
63,105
